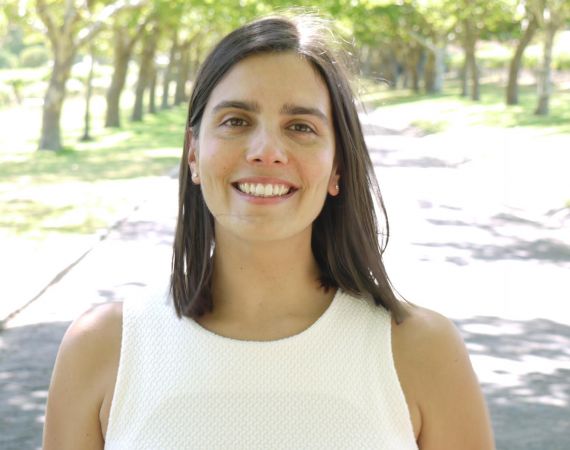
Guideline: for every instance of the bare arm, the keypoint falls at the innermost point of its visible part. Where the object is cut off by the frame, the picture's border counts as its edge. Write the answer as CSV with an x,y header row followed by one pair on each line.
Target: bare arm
x,y
440,382
82,378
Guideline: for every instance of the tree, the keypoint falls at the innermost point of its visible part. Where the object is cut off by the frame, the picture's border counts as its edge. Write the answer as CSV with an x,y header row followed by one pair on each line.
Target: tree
x,y
552,15
478,19
69,27
146,67
88,94
528,27
169,70
127,30
432,30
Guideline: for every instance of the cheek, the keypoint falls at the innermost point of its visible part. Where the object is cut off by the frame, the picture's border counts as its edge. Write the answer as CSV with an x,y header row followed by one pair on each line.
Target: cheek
x,y
214,162
318,167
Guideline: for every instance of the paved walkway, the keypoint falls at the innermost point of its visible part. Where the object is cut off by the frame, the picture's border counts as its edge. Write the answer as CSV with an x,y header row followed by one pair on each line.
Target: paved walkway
x,y
463,242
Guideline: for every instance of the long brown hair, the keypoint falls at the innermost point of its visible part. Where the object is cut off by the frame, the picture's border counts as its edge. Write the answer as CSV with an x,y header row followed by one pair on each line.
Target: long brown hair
x,y
345,237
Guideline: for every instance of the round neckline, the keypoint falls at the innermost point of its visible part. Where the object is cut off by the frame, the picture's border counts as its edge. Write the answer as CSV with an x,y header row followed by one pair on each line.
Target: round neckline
x,y
323,318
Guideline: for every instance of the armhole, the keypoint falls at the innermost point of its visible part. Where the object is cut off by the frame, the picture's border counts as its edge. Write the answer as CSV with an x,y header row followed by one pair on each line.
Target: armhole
x,y
120,374
407,421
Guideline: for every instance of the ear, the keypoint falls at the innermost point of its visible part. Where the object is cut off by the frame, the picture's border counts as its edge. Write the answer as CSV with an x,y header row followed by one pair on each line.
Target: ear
x,y
333,188
192,156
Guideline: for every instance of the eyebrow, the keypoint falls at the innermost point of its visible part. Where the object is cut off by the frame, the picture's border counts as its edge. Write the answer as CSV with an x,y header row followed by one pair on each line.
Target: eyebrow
x,y
237,104
288,108
292,109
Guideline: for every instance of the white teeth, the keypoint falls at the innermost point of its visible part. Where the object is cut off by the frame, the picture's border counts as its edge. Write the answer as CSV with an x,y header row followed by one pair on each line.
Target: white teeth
x,y
264,190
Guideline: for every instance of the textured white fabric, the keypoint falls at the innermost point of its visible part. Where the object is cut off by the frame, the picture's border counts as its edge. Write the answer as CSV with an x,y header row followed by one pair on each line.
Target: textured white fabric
x,y
332,386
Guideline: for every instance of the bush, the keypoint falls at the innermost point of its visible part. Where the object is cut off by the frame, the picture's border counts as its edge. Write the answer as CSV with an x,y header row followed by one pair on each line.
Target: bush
x,y
531,61
562,61
6,96
7,60
35,56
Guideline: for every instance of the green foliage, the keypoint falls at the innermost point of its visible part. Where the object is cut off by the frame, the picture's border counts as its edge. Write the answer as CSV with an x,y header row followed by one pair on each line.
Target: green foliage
x,y
14,41
7,60
34,57
5,95
561,61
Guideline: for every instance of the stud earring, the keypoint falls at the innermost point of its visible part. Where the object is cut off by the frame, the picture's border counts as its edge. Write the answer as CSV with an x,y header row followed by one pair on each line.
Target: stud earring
x,y
337,188
194,175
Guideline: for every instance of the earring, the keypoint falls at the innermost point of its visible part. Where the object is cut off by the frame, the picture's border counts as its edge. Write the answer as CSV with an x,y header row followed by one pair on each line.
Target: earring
x,y
337,188
194,175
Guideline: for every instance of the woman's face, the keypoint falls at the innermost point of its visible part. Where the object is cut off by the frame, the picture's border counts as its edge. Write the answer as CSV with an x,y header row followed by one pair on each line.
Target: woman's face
x,y
265,151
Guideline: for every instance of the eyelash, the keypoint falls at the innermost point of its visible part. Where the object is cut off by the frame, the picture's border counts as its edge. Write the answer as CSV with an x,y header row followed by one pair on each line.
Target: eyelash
x,y
231,122
307,128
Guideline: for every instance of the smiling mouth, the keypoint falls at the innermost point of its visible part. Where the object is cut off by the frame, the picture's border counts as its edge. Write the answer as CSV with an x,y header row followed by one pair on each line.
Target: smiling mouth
x,y
263,190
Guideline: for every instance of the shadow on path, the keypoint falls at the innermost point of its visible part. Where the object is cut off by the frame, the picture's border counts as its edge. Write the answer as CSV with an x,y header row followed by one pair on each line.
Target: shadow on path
x,y
549,250
27,355
524,367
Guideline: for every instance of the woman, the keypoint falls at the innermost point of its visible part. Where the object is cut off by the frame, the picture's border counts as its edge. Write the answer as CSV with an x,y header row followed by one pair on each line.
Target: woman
x,y
282,330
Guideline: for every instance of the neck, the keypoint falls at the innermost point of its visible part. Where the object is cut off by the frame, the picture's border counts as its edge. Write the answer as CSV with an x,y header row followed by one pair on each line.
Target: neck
x,y
265,281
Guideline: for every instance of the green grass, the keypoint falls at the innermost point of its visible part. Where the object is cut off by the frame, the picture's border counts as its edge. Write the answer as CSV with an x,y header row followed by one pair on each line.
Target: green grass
x,y
83,188
441,111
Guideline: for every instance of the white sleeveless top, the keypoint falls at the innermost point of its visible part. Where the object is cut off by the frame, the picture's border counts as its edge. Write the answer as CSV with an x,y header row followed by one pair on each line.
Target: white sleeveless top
x,y
332,386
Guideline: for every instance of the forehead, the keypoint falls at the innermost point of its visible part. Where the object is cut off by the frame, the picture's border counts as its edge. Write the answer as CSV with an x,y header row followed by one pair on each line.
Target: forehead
x,y
272,79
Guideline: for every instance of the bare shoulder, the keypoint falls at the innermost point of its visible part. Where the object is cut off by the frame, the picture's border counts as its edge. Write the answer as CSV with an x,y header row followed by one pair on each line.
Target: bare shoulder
x,y
428,337
93,338
102,321
440,384
83,375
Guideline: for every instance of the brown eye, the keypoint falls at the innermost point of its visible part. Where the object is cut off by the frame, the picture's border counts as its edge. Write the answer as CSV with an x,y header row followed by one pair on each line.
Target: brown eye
x,y
234,122
301,128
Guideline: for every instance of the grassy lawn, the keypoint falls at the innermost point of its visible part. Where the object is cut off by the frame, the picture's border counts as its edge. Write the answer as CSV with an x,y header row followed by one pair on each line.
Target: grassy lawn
x,y
83,188
435,113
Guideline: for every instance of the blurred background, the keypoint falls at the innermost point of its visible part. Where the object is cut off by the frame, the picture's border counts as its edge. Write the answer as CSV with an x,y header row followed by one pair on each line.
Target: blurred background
x,y
466,109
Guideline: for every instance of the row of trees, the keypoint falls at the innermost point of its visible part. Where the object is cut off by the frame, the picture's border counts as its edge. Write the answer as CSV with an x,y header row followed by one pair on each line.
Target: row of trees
x,y
406,38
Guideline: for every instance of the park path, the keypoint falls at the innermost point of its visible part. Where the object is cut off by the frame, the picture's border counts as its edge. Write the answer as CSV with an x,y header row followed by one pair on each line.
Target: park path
x,y
464,241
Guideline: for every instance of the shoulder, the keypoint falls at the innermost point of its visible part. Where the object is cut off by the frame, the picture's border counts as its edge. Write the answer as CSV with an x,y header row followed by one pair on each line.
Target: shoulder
x,y
91,345
437,377
82,378
89,352
98,328
428,337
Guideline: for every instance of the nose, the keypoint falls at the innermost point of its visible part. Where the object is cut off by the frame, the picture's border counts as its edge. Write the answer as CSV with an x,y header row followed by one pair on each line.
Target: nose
x,y
267,147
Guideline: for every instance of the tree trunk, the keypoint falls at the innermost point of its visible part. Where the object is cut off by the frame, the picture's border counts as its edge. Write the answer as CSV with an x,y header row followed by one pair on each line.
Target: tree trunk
x,y
121,58
464,76
88,92
412,68
515,65
544,84
168,72
183,72
152,90
50,138
429,77
145,72
471,60
439,72
475,85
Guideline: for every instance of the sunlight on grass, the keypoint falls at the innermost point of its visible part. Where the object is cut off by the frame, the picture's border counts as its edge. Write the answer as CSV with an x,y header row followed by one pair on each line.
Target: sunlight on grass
x,y
85,187
452,110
